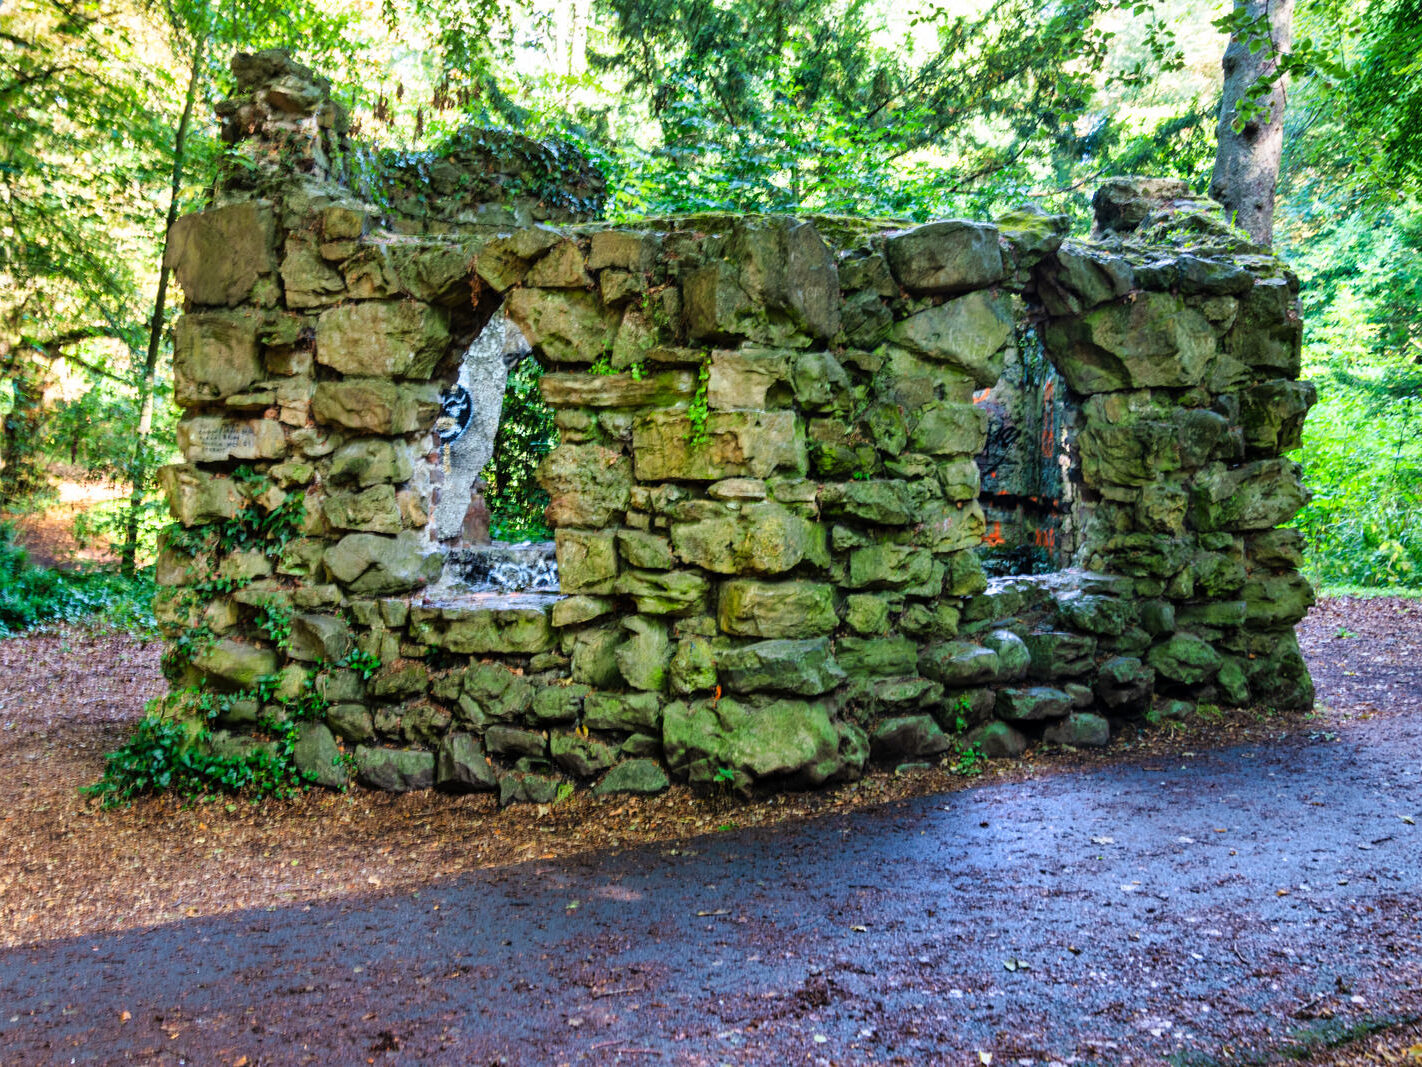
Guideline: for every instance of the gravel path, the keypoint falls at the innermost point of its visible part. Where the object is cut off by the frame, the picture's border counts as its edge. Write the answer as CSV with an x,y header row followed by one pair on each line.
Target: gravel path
x,y
1219,907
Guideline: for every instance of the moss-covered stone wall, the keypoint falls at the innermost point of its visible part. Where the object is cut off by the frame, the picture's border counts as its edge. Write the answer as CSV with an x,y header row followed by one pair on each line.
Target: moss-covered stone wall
x,y
766,499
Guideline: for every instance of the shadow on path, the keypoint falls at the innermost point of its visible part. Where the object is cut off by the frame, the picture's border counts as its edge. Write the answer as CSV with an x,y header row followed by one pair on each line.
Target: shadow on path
x,y
1253,898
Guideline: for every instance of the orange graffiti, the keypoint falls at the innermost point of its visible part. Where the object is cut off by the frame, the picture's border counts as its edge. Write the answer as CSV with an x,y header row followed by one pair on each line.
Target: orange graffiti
x,y
994,537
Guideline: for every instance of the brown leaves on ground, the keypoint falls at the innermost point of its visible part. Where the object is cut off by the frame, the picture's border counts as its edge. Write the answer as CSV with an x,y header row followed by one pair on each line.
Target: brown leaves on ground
x,y
67,867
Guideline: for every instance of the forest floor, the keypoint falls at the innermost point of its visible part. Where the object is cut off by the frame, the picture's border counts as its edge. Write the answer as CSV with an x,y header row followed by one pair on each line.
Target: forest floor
x,y
72,870
48,534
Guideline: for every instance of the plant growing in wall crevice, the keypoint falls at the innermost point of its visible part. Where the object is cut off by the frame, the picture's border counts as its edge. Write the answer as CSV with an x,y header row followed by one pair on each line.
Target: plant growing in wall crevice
x,y
699,411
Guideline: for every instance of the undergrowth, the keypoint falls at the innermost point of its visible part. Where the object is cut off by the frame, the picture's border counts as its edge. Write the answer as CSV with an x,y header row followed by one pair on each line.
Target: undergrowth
x,y
32,596
164,756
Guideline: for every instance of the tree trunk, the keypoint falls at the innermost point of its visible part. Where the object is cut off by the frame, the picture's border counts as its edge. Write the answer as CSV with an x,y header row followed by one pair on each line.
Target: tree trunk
x,y
20,476
140,464
1247,163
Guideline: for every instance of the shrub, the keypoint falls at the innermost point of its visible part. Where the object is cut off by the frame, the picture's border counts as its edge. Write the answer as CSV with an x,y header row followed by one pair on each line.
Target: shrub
x,y
32,596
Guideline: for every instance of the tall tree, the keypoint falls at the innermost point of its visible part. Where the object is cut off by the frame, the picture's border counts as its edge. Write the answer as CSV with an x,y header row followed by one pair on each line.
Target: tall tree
x,y
1251,120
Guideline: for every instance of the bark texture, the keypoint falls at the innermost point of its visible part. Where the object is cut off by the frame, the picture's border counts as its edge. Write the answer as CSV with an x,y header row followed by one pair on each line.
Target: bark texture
x,y
1247,163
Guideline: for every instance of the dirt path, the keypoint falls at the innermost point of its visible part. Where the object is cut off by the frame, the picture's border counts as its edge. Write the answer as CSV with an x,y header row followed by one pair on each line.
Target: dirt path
x,y
1169,903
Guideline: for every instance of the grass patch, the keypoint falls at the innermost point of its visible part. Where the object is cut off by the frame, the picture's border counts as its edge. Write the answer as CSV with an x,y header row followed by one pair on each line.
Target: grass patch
x,y
1368,592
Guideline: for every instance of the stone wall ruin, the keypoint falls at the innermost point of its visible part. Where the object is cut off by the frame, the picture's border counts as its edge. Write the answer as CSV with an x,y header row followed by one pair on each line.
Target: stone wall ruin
x,y
767,499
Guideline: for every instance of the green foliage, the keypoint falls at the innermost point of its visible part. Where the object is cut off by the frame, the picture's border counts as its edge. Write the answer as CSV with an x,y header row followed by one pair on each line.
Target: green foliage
x,y
699,409
274,621
181,650
167,756
526,434
364,662
32,596
969,760
256,527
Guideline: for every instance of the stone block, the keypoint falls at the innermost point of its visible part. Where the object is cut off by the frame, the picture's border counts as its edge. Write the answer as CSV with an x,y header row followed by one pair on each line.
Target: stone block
x,y
371,461
581,757
1124,683
1272,415
564,325
307,279
638,777
1276,600
1056,654
969,332
316,757
760,538
950,429
400,680
958,663
214,439
819,381
745,379
558,703
215,355
1013,657
795,609
595,656
645,550
373,565
664,592
954,528
1033,703
908,736
1155,341
1267,334
643,657
352,722
196,497
1081,729
950,256
627,250
806,668
394,770
461,766
617,390
587,560
998,740
382,339
887,566
482,630
372,510
218,255
374,405
738,444
230,664
1255,496
623,712
318,638
865,613
693,666
588,485
572,610
561,267
877,657
883,503
1185,658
